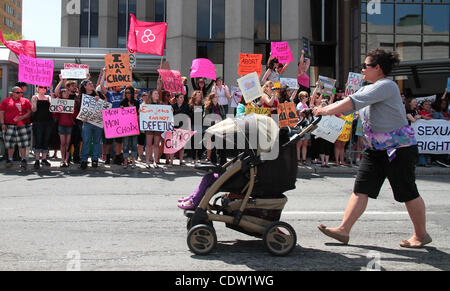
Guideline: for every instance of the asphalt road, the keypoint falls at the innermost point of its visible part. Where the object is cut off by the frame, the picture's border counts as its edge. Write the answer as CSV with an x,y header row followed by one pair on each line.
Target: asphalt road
x,y
102,220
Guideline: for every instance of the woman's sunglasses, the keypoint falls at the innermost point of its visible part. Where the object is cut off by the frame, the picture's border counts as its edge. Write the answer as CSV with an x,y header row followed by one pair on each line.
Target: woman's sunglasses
x,y
364,65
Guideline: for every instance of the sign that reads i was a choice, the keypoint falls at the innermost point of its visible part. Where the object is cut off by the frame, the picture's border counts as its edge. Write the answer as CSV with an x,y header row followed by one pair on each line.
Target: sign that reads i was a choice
x,y
118,72
36,71
120,122
156,118
91,110
433,136
62,106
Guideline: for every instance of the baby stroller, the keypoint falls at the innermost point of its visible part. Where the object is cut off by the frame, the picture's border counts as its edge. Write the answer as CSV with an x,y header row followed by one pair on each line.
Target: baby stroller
x,y
252,186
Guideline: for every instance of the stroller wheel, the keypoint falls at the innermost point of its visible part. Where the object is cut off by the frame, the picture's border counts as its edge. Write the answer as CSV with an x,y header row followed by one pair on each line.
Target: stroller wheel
x,y
189,224
280,238
202,239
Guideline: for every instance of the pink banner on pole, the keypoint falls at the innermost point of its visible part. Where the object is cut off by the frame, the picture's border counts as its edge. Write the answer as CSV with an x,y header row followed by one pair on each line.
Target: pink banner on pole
x,y
176,140
35,71
120,122
282,52
172,81
203,68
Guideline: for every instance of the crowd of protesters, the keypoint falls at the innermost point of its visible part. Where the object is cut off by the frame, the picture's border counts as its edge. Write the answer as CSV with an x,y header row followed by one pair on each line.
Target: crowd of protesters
x,y
25,122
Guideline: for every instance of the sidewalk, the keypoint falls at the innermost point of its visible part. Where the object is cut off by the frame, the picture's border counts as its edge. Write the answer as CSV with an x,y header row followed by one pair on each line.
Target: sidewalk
x,y
189,168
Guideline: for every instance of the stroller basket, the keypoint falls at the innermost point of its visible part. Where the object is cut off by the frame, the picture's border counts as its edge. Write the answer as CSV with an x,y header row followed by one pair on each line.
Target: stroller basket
x,y
267,209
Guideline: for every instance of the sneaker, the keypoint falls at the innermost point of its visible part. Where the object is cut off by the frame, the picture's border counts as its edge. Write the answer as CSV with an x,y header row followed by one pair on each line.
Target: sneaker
x,y
36,165
23,164
9,163
94,164
46,163
83,165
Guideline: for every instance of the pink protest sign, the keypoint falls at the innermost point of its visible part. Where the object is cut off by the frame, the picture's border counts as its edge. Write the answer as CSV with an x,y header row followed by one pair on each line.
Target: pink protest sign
x,y
203,68
175,141
35,71
120,122
172,81
282,52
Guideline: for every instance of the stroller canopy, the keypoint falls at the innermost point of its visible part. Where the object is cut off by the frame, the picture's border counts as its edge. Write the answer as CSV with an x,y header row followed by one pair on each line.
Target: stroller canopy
x,y
254,131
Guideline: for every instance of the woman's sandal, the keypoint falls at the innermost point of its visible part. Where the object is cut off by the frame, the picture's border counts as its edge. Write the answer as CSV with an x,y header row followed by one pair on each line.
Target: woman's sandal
x,y
342,238
407,244
184,206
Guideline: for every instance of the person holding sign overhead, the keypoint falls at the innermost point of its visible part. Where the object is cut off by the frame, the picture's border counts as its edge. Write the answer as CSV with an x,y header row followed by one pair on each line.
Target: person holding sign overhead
x,y
42,125
391,149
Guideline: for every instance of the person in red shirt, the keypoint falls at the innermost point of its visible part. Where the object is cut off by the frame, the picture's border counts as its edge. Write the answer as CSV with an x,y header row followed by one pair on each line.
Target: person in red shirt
x,y
426,112
15,113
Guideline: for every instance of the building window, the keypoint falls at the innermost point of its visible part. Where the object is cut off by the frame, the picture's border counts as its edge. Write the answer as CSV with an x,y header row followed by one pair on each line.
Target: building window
x,y
126,7
89,23
417,30
267,28
161,11
211,32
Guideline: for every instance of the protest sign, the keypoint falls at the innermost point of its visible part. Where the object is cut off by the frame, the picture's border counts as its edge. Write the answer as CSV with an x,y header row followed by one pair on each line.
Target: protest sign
x,y
76,66
289,82
91,110
354,83
118,72
448,84
176,140
257,110
146,37
203,68
62,106
249,63
282,52
172,81
74,74
156,118
236,96
287,115
326,85
431,99
347,130
120,122
35,71
433,136
329,128
250,87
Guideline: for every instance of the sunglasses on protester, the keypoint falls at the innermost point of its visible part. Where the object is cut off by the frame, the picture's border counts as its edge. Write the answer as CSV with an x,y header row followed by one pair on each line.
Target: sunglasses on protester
x,y
364,65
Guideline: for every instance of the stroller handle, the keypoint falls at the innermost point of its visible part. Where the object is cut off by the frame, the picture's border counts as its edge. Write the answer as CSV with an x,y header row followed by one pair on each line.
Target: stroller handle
x,y
297,132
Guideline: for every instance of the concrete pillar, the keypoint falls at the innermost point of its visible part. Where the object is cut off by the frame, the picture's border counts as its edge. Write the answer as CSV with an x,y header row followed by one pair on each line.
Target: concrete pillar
x,y
145,10
108,23
181,42
70,24
239,30
296,24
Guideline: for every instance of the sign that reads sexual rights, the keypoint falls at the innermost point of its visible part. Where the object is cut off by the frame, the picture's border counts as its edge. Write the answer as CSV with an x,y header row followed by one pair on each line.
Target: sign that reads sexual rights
x,y
62,106
35,71
156,118
120,122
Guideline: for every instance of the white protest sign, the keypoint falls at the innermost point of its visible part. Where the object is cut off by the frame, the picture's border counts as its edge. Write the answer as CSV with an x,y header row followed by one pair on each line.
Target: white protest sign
x,y
62,106
250,87
433,136
236,96
326,85
354,83
76,66
156,118
74,74
92,111
428,98
329,128
290,82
